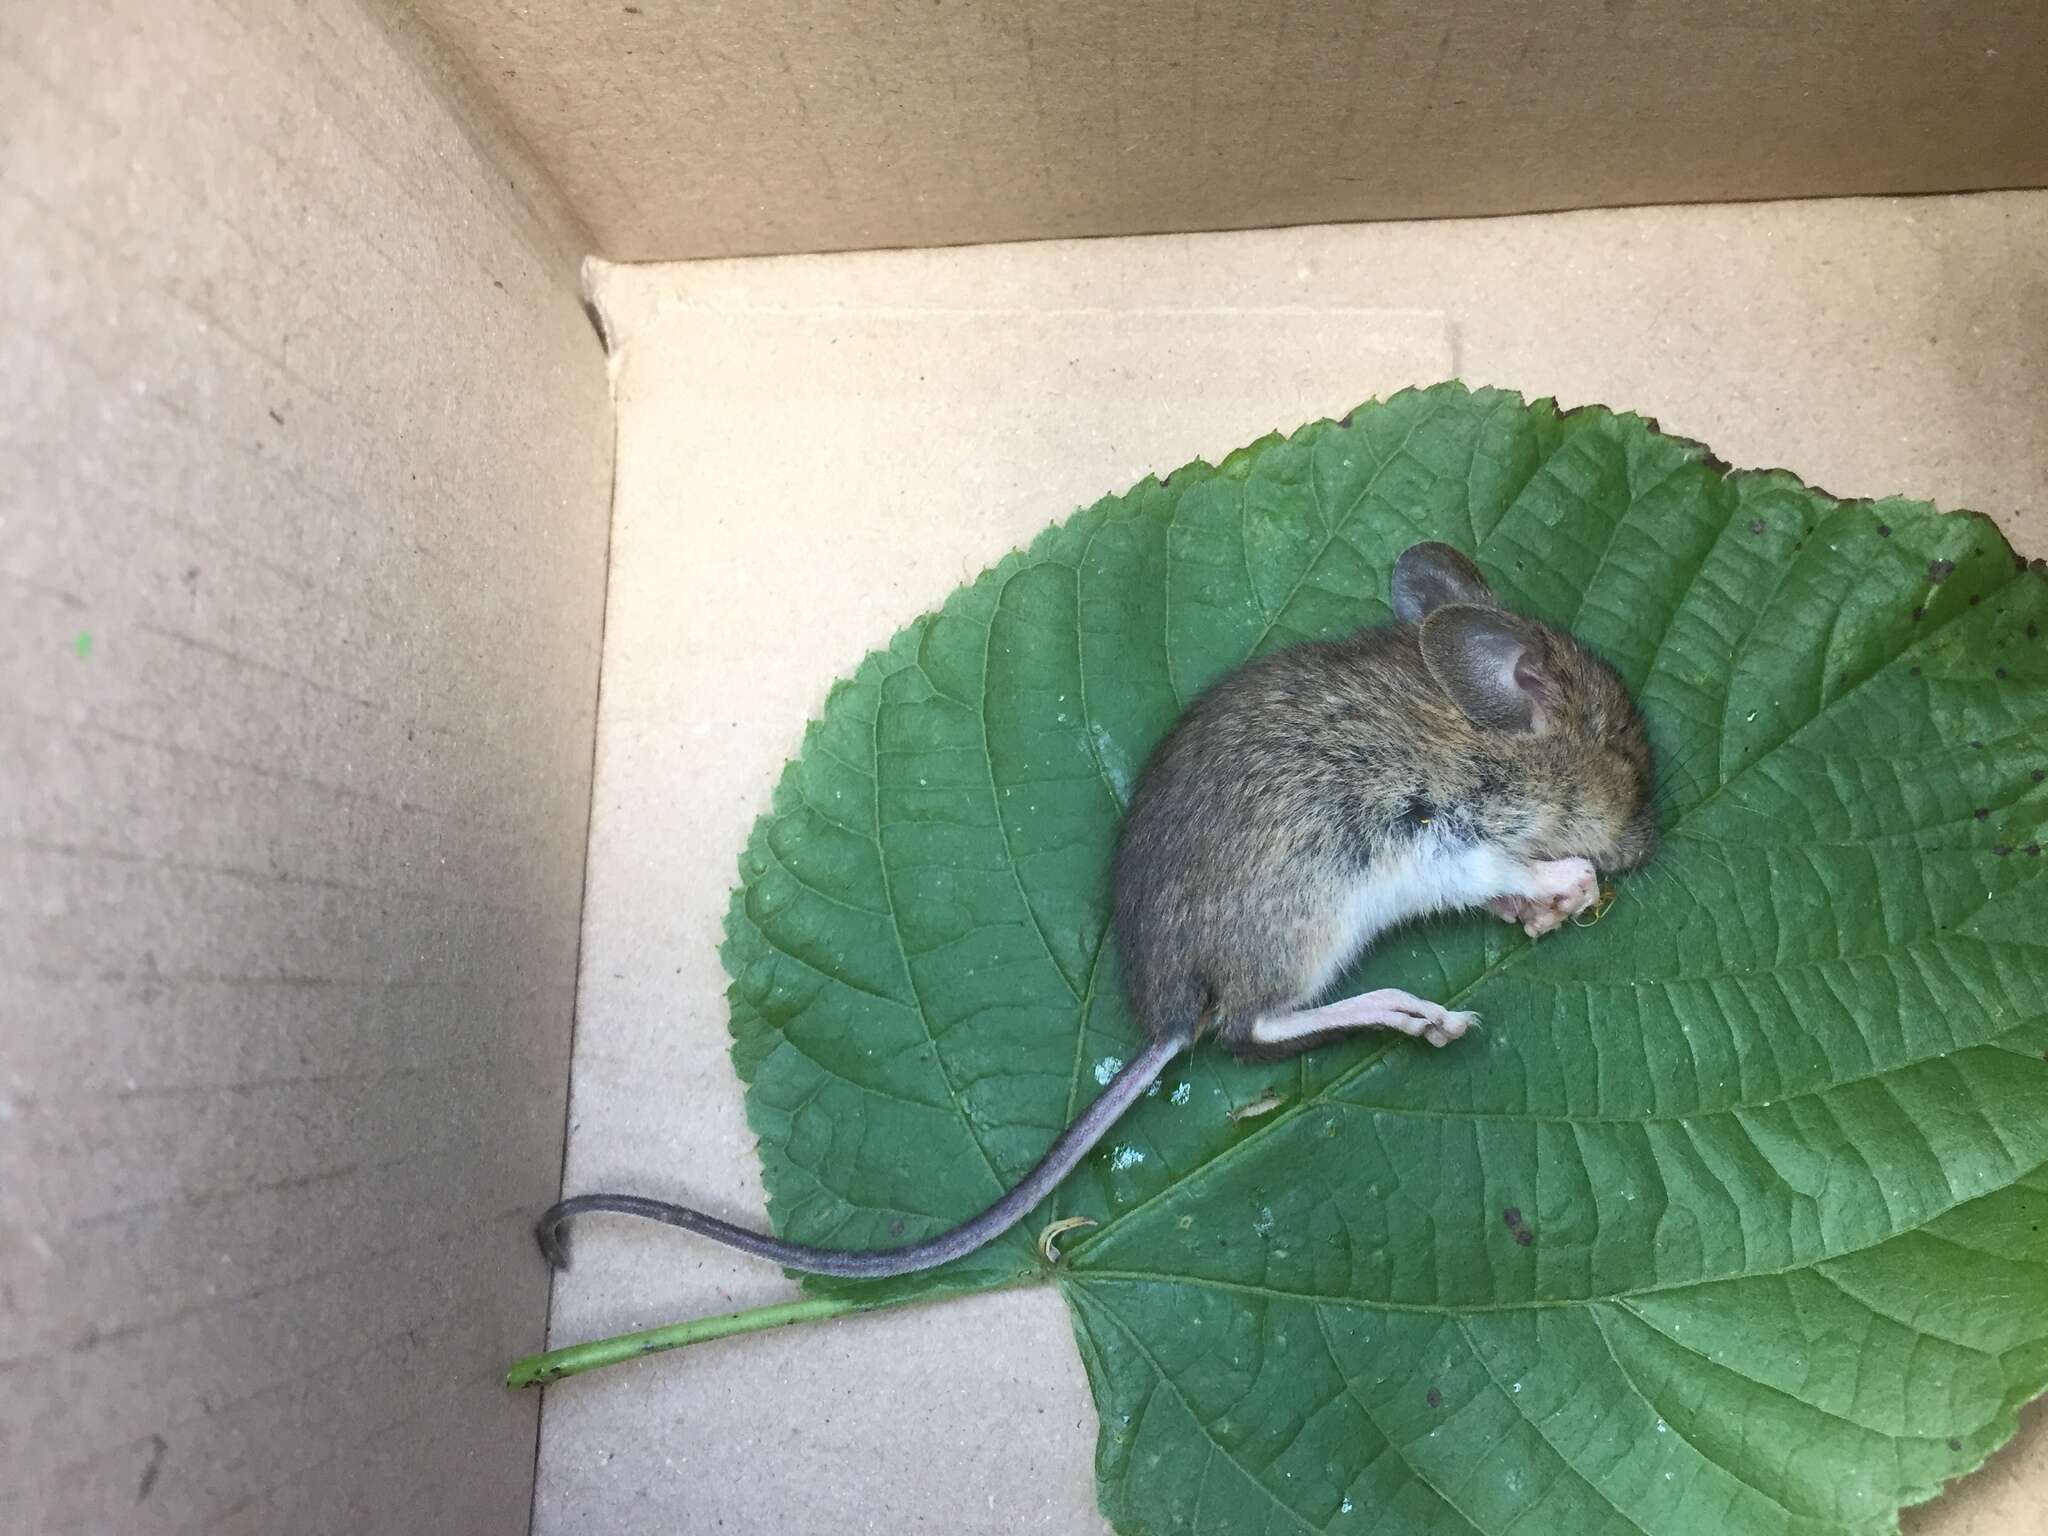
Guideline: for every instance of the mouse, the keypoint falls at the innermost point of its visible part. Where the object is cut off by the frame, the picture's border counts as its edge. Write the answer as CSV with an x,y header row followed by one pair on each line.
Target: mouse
x,y
1306,803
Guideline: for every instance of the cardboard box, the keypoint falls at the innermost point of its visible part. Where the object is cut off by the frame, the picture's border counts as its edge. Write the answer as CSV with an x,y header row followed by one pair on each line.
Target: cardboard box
x,y
391,673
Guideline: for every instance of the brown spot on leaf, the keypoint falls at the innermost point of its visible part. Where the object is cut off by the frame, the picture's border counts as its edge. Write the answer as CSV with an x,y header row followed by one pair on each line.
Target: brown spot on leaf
x,y
1756,525
1512,1216
1939,571
1524,1237
1912,671
896,1227
1976,598
1434,1398
1982,813
1955,1445
1919,614
1999,673
1884,530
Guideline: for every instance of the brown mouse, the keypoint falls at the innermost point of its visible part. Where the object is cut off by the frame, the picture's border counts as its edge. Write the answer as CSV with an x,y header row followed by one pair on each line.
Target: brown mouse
x,y
1309,801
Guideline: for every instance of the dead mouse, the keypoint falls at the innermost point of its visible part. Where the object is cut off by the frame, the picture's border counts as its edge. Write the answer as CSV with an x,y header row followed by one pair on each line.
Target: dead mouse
x,y
1310,800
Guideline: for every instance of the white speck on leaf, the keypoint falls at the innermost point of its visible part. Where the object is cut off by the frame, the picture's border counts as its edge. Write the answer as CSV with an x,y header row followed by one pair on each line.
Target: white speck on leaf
x,y
1107,1068
1116,767
1125,1157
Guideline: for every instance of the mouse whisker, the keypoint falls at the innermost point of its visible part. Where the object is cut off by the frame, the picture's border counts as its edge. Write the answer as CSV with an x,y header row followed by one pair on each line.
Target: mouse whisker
x,y
1708,851
1664,875
1667,775
1678,887
1686,758
1704,852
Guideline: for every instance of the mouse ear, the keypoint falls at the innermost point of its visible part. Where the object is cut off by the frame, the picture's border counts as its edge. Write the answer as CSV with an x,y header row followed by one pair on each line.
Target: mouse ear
x,y
1490,665
1429,575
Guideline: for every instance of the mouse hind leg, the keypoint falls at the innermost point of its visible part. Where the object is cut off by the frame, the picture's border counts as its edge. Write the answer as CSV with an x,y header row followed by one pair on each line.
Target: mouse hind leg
x,y
1283,959
1258,1006
1264,1024
1547,894
1275,1035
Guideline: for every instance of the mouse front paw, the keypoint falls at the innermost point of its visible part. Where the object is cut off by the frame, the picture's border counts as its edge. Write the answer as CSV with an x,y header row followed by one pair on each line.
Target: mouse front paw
x,y
1511,909
1558,890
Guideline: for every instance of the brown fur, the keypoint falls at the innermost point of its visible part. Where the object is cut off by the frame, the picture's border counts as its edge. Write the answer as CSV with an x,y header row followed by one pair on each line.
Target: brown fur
x,y
1290,778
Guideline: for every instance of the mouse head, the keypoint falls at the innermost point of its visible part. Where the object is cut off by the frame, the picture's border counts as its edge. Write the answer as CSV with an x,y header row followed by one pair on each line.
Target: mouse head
x,y
1558,716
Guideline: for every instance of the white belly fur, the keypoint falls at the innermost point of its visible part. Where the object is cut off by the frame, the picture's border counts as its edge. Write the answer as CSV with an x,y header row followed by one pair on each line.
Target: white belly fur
x,y
1425,877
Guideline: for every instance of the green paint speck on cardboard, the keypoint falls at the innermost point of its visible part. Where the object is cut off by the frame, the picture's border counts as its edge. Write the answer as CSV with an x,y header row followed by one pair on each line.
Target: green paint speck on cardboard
x,y
83,644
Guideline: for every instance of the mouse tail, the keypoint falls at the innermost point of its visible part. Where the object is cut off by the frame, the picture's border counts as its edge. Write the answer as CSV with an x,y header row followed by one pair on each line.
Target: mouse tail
x,y
1072,1144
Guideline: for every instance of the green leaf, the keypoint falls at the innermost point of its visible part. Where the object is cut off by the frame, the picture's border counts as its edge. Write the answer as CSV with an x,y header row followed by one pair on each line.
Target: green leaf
x,y
1731,1221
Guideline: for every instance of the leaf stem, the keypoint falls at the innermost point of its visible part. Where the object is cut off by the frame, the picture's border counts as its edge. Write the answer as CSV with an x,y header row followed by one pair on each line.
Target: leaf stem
x,y
574,1359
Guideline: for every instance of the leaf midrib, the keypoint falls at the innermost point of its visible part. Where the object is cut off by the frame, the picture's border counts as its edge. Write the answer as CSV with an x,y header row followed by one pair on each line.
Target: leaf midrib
x,y
1082,1276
